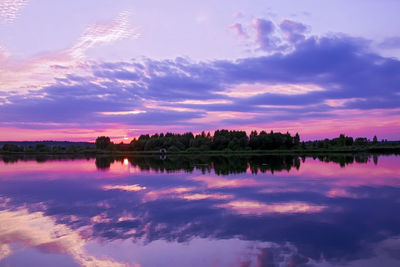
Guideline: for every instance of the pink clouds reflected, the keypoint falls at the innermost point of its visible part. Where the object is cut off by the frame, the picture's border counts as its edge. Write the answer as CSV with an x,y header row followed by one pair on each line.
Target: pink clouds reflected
x,y
36,230
99,216
129,188
205,196
220,182
324,178
258,208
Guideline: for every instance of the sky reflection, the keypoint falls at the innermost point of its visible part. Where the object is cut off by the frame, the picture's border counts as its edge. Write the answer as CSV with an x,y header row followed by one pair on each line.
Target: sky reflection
x,y
214,211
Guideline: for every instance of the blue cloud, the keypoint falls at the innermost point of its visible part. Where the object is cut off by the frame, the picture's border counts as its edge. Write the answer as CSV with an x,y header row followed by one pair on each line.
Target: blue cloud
x,y
294,31
265,37
342,66
390,43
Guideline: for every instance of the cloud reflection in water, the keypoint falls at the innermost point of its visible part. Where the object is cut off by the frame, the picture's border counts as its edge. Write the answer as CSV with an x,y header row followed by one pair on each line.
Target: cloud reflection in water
x,y
317,213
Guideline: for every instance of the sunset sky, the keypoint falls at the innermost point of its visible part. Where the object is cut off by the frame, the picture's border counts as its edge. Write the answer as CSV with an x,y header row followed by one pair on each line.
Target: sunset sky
x,y
75,70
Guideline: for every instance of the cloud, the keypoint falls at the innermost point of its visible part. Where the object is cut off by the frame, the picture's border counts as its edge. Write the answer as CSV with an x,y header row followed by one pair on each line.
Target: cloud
x,y
45,211
390,43
239,30
5,251
253,207
198,196
35,230
293,31
333,76
44,69
105,33
128,188
10,9
249,90
265,38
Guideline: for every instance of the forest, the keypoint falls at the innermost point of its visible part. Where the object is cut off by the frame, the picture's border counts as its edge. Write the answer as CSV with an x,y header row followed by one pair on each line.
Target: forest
x,y
220,141
232,140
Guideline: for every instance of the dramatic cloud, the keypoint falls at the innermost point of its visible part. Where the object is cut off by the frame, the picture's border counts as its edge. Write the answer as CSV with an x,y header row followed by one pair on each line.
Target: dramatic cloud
x,y
336,77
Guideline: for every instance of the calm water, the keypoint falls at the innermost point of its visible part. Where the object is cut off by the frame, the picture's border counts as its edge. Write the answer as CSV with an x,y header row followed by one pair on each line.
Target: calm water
x,y
206,211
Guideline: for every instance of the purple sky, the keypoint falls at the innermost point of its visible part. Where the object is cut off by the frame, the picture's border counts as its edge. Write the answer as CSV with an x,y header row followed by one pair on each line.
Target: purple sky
x,y
77,70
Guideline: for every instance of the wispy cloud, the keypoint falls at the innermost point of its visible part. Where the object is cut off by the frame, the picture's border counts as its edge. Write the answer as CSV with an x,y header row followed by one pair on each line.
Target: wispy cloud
x,y
45,69
253,207
10,9
249,90
105,33
134,187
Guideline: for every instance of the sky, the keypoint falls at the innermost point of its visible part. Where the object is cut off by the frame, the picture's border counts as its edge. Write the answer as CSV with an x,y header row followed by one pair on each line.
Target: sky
x,y
75,70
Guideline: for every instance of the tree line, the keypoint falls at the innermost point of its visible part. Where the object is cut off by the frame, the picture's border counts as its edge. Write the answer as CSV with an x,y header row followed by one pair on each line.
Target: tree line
x,y
230,140
220,140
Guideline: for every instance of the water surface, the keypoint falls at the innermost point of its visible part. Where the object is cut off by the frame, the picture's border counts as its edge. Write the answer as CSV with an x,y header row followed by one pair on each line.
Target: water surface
x,y
200,211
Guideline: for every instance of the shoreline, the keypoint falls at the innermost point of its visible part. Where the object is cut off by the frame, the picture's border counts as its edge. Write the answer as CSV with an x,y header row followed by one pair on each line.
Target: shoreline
x,y
368,150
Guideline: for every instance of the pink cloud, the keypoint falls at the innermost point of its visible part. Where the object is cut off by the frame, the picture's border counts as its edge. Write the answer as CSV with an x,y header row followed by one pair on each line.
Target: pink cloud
x,y
220,182
35,230
129,188
10,9
205,196
105,33
239,31
258,208
22,75
249,90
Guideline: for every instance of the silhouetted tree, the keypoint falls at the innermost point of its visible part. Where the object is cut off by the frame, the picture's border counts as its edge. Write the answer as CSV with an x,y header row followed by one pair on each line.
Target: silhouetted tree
x,y
361,141
296,140
103,142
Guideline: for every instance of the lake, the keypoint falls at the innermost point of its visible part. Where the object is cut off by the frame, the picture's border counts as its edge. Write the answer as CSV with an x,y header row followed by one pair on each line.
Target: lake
x,y
200,211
